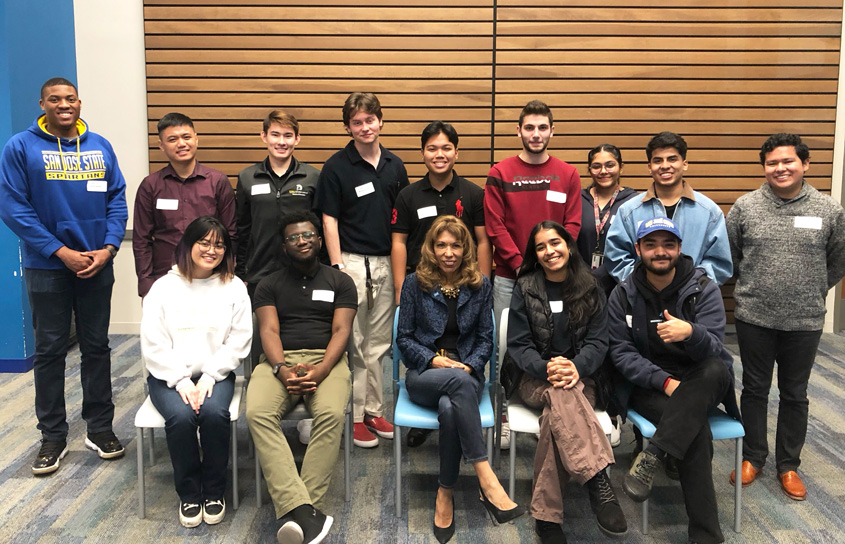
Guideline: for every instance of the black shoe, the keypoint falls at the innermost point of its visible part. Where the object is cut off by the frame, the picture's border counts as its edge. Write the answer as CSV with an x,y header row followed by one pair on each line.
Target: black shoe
x,y
549,533
315,524
638,481
213,511
444,534
670,467
49,455
290,532
605,506
190,514
105,444
500,516
416,437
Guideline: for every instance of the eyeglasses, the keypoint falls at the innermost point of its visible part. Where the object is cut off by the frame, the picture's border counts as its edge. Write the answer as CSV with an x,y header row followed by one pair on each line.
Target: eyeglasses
x,y
597,166
205,245
294,238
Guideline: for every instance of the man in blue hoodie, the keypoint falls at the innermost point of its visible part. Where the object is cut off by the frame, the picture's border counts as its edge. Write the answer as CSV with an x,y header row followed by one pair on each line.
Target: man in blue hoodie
x,y
64,196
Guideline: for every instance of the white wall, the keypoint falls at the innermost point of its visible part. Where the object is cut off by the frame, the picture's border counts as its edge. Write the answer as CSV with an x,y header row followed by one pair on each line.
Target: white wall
x,y
111,76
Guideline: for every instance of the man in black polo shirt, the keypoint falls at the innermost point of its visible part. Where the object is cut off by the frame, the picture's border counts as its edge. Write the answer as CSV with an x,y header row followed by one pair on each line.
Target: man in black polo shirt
x,y
305,313
441,192
267,191
356,193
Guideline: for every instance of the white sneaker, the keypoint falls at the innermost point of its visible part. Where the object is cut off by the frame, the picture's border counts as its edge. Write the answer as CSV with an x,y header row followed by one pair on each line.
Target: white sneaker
x,y
304,428
506,436
615,432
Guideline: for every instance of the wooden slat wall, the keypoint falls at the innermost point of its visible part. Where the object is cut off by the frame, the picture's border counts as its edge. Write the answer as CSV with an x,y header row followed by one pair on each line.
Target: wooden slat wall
x,y
724,73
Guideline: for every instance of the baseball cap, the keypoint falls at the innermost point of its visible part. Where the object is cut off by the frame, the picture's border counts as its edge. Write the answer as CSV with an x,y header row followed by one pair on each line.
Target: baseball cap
x,y
658,223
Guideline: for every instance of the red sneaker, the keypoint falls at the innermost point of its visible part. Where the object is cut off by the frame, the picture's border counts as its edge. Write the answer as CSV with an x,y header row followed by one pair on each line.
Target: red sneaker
x,y
362,437
381,426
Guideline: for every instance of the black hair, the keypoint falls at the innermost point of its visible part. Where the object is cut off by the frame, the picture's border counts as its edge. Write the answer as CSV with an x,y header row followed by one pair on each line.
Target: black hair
x,y
436,127
174,119
195,232
299,216
667,139
609,148
782,139
53,81
536,107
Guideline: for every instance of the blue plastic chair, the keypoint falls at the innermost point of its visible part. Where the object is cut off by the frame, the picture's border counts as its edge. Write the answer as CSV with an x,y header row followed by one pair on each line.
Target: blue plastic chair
x,y
408,414
723,427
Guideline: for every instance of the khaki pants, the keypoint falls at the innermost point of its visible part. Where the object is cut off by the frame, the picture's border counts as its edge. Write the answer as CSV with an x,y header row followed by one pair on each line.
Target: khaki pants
x,y
267,401
372,332
572,443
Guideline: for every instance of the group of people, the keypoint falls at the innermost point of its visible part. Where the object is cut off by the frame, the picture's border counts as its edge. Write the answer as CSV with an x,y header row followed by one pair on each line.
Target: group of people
x,y
604,308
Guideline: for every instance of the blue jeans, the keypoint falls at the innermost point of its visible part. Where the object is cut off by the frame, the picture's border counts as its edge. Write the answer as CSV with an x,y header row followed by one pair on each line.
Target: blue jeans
x,y
455,393
53,296
196,480
502,292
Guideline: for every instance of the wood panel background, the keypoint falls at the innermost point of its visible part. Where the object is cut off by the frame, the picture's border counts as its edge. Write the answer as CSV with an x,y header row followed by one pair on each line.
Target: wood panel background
x,y
725,74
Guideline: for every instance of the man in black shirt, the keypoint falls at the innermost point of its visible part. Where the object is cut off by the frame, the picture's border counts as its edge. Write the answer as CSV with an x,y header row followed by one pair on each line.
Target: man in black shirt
x,y
267,191
356,194
305,313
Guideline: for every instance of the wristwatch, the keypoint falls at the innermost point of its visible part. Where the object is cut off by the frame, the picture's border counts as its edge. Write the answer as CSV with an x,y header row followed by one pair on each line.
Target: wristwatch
x,y
276,368
111,249
339,266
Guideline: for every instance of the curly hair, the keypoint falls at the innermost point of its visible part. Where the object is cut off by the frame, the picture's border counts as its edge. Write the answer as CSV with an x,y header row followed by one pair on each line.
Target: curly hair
x,y
429,275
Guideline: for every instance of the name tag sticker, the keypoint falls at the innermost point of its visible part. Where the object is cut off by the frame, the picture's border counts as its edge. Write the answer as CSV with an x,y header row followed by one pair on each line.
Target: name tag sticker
x,y
557,306
100,186
629,319
323,295
801,222
428,211
260,189
363,190
167,204
612,217
556,196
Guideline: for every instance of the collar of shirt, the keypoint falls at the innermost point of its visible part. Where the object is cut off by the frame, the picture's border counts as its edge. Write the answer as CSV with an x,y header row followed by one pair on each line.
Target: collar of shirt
x,y
198,173
426,183
687,193
355,157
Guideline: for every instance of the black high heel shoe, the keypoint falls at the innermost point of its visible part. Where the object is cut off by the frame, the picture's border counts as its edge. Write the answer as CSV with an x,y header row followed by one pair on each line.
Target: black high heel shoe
x,y
444,534
499,516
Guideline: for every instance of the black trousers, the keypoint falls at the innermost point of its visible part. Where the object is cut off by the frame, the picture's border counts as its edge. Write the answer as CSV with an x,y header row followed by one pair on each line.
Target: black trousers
x,y
684,433
795,353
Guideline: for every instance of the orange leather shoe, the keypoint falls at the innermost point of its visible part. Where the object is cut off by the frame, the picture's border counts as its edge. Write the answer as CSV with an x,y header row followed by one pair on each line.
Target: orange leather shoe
x,y
792,485
749,474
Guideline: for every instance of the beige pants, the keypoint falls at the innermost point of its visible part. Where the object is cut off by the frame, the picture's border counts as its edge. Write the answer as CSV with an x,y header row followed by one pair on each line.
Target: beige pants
x,y
372,332
572,443
267,401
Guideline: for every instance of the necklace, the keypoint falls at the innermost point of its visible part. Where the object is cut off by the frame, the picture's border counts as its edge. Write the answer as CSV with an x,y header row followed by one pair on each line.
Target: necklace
x,y
450,292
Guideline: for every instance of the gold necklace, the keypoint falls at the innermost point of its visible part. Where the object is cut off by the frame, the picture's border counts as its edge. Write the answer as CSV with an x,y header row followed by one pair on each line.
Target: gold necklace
x,y
450,292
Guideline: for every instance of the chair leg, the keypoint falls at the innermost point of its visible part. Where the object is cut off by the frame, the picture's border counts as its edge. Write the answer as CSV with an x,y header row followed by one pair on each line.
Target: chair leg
x,y
738,489
258,477
152,446
498,401
139,433
490,433
235,464
397,461
645,502
512,469
347,452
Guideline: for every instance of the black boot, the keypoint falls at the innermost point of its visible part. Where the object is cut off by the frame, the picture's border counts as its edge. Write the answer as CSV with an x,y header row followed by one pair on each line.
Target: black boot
x,y
605,506
549,532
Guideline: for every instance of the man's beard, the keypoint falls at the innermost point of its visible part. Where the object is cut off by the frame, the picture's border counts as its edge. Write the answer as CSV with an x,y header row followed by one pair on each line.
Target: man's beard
x,y
527,147
673,262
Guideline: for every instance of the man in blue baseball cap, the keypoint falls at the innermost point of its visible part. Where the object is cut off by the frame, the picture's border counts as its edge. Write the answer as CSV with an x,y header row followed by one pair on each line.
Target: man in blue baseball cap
x,y
667,323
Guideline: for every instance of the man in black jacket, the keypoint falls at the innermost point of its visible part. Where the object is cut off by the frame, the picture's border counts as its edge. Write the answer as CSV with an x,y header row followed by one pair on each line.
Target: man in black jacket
x,y
675,368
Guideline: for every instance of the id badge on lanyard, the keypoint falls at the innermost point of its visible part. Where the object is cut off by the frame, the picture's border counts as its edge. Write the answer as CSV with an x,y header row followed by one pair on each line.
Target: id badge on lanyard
x,y
596,261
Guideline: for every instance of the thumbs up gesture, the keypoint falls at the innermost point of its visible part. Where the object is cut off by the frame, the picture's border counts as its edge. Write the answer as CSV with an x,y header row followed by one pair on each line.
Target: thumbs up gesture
x,y
673,329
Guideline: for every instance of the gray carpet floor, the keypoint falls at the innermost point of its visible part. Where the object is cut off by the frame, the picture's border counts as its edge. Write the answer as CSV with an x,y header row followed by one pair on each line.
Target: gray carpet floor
x,y
89,500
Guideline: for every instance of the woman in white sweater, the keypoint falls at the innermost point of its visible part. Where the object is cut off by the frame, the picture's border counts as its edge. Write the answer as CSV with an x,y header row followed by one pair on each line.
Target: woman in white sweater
x,y
196,328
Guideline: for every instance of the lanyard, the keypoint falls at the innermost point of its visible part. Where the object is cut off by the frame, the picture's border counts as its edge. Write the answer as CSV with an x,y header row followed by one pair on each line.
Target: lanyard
x,y
600,225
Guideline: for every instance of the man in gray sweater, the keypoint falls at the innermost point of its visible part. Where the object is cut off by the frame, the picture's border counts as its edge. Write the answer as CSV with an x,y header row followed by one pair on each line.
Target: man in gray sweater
x,y
788,249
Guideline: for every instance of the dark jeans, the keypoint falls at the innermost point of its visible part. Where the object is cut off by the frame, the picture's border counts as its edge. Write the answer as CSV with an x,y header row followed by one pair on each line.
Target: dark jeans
x,y
455,393
196,480
684,433
795,352
53,296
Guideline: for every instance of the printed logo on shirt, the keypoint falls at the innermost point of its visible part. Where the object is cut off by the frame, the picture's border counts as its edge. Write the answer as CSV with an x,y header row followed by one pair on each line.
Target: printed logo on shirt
x,y
393,218
459,209
73,166
297,191
530,183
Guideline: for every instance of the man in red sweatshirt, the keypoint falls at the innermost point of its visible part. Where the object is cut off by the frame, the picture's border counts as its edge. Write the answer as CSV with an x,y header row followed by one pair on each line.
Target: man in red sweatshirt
x,y
523,190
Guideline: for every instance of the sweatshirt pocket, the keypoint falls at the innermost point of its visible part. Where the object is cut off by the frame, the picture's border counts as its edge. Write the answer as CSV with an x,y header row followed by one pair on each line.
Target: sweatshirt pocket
x,y
82,235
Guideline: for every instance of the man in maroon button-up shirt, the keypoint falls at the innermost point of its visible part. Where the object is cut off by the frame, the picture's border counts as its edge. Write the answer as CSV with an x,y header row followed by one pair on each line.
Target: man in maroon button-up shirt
x,y
168,200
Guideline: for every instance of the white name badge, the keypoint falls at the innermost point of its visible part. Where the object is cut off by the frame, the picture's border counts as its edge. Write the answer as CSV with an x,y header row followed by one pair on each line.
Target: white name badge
x,y
260,189
323,295
612,217
556,196
167,204
97,185
363,190
557,306
629,319
801,222
428,211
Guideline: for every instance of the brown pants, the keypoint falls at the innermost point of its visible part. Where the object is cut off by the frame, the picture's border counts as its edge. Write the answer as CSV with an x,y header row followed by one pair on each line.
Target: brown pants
x,y
572,443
